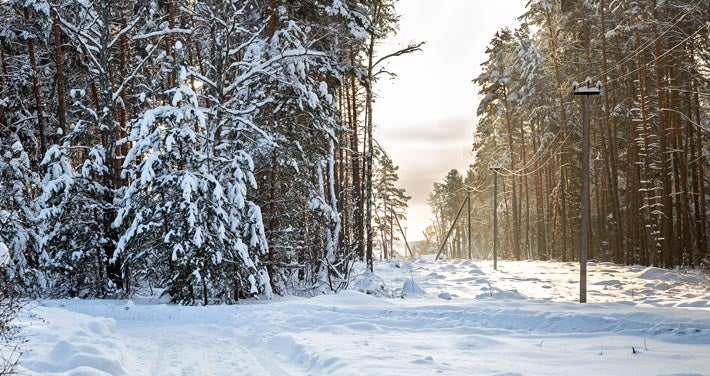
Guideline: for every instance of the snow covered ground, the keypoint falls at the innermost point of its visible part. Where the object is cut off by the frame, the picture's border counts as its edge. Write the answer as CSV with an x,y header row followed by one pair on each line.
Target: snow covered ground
x,y
456,317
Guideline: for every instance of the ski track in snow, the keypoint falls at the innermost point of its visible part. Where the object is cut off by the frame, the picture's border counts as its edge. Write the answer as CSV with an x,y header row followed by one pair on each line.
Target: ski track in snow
x,y
519,320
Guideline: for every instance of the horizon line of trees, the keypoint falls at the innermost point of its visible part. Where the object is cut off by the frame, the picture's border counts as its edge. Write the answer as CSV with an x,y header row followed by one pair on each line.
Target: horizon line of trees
x,y
215,150
648,135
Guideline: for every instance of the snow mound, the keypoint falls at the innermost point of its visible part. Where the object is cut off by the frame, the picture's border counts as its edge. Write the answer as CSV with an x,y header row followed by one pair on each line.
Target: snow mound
x,y
674,277
445,296
695,303
502,295
76,344
305,356
349,298
411,288
652,273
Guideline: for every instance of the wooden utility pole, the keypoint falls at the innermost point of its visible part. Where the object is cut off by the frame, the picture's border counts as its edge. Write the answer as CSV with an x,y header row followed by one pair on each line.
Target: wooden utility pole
x,y
468,199
453,224
585,91
495,216
404,234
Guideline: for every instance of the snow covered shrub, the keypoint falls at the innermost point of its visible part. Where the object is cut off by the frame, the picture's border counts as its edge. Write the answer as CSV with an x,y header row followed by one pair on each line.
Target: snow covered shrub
x,y
705,264
10,336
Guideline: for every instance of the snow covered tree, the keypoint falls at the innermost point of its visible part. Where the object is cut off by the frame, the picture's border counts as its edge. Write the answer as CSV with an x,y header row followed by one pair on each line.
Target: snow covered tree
x,y
18,223
188,221
73,208
26,73
390,203
302,126
265,78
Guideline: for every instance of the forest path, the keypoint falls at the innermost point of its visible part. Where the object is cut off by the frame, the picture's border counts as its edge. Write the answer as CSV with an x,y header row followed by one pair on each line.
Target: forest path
x,y
195,350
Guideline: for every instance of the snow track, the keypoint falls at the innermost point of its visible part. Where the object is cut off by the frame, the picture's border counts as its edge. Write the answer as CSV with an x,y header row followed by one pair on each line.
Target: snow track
x,y
196,350
501,332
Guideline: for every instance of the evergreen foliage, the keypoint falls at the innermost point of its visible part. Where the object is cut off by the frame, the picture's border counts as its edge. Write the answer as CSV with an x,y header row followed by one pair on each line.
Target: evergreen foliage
x,y
214,151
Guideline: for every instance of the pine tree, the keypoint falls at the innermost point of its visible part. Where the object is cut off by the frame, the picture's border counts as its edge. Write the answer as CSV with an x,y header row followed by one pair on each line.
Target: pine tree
x,y
390,203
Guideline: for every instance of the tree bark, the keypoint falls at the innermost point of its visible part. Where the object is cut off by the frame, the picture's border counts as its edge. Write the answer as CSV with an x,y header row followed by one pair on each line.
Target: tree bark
x,y
668,249
564,157
58,60
514,196
357,203
611,153
41,122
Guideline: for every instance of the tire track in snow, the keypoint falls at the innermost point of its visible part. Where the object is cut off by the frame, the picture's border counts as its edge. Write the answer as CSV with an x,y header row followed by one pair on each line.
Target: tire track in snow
x,y
195,350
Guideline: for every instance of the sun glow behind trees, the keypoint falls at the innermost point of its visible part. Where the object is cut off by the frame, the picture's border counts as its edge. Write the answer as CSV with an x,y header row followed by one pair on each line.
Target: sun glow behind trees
x,y
648,133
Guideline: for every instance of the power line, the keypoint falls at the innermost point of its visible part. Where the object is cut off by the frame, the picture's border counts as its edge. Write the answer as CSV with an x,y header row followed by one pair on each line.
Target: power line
x,y
647,44
656,59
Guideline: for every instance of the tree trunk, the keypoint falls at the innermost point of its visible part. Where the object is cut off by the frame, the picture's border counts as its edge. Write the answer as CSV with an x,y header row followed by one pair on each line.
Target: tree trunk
x,y
524,177
368,152
358,204
58,60
611,156
699,176
107,128
539,204
41,124
564,157
516,220
669,253
646,186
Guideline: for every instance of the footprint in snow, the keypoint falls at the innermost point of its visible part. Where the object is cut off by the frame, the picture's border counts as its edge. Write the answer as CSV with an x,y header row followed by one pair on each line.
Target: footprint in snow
x,y
426,360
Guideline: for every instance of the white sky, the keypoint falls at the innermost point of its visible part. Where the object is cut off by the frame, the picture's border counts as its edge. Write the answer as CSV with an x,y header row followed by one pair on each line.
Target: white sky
x,y
425,117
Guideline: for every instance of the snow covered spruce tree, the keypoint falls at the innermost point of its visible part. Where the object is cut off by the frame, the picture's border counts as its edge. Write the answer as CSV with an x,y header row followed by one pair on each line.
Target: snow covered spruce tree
x,y
18,224
188,223
82,170
72,208
26,74
297,166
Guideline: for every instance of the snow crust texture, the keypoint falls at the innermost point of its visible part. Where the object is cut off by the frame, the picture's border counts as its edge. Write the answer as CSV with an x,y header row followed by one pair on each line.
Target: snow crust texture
x,y
432,317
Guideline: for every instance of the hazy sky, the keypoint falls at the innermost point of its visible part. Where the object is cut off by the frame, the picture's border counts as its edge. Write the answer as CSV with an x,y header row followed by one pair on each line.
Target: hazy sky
x,y
426,116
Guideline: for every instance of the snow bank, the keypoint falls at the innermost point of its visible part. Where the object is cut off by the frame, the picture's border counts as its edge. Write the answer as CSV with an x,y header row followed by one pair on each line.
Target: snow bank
x,y
349,298
502,295
71,343
411,288
652,273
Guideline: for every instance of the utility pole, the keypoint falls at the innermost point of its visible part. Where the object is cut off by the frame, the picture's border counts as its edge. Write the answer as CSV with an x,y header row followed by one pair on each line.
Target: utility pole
x,y
585,91
468,198
404,233
495,170
451,229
